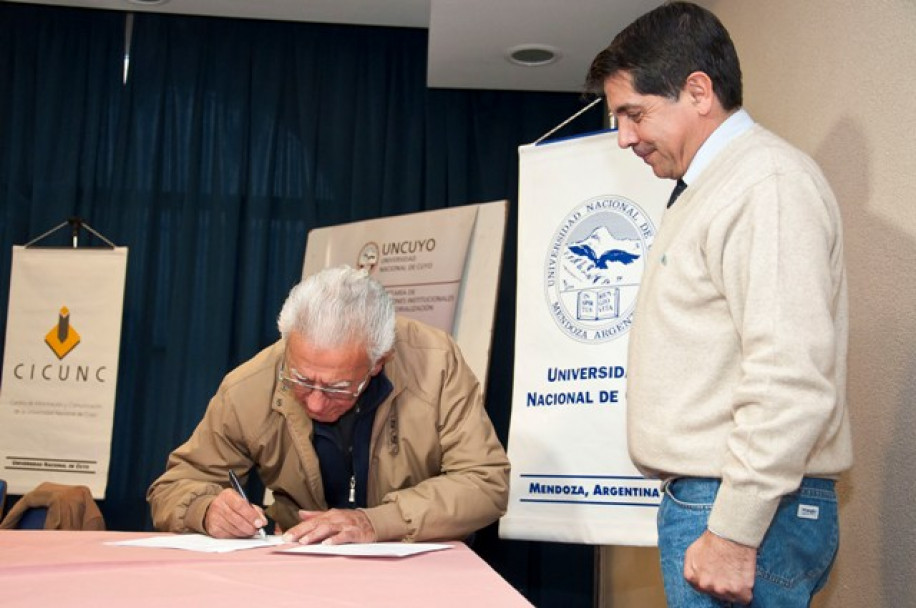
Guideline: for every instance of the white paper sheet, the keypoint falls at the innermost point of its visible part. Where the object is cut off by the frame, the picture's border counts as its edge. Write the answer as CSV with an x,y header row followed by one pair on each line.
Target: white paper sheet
x,y
368,549
201,543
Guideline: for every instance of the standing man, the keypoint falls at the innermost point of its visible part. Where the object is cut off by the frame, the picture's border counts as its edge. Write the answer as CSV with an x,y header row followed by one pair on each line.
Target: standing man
x,y
737,361
365,426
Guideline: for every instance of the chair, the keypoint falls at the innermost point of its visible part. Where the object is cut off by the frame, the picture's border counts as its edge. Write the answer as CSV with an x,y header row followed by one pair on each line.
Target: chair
x,y
52,506
33,518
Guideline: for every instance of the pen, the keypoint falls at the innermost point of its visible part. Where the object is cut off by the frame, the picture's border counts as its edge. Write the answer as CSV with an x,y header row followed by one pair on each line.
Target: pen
x,y
238,488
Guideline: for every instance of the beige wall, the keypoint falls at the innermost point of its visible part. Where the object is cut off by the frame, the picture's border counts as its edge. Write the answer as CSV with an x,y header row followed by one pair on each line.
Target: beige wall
x,y
838,79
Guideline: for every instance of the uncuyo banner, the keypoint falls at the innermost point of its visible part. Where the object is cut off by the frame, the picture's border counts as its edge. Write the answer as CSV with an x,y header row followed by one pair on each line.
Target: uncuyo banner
x,y
440,266
588,212
418,257
60,366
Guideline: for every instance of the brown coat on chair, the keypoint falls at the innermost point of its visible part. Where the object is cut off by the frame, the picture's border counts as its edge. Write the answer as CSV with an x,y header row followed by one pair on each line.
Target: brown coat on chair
x,y
69,508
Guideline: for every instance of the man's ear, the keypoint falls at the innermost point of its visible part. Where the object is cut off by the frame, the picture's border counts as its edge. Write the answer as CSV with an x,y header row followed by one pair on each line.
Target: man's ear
x,y
381,362
699,91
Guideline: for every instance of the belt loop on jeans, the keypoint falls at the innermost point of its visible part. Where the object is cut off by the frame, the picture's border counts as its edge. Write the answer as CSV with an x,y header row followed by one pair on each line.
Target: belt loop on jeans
x,y
820,483
667,481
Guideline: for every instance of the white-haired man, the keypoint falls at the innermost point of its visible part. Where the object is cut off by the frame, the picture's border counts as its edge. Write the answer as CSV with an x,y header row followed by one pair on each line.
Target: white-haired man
x,y
365,426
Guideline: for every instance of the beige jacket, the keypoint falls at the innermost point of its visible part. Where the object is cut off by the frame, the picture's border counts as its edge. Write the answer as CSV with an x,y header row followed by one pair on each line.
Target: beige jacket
x,y
436,471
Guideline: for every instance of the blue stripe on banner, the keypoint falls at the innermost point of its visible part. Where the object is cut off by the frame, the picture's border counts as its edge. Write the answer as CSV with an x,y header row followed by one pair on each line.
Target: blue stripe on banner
x,y
590,502
640,477
599,490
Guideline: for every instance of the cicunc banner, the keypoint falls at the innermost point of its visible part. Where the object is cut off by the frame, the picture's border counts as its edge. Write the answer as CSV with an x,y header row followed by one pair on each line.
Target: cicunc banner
x,y
60,366
588,213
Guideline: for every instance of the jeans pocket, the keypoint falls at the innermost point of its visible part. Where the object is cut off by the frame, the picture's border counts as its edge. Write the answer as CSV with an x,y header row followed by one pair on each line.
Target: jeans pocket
x,y
686,506
801,542
698,494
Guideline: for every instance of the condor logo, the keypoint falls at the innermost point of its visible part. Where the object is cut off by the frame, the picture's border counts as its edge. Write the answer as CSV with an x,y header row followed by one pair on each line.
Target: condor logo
x,y
593,268
62,339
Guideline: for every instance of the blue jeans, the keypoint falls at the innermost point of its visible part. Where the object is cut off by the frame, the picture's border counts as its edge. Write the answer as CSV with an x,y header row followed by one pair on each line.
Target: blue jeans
x,y
793,561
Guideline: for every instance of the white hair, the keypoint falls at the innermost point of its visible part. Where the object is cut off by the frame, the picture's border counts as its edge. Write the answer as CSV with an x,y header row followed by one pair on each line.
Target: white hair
x,y
340,306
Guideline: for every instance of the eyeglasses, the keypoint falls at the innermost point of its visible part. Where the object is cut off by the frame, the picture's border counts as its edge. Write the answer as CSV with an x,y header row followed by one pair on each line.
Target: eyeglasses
x,y
304,387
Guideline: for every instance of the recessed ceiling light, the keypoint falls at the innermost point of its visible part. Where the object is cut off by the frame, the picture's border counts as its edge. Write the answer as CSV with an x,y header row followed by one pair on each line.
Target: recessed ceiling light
x,y
147,2
533,55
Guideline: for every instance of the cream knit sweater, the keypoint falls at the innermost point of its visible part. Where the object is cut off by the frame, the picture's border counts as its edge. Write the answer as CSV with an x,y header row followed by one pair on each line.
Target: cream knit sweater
x,y
737,361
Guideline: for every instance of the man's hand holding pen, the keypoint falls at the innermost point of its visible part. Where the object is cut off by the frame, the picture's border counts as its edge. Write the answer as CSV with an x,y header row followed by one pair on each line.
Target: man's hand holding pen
x,y
231,516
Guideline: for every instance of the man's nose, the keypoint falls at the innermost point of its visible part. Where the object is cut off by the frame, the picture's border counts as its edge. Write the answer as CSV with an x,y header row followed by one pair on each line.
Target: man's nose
x,y
317,401
626,134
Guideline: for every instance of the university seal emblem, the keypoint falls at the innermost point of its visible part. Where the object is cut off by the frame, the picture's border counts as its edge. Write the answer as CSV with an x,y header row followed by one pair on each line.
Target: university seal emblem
x,y
593,267
368,258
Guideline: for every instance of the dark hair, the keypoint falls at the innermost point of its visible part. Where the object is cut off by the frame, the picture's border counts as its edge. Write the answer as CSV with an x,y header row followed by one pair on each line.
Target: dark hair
x,y
663,47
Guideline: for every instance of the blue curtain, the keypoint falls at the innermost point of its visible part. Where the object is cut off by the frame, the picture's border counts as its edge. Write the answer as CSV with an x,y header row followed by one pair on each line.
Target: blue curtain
x,y
230,140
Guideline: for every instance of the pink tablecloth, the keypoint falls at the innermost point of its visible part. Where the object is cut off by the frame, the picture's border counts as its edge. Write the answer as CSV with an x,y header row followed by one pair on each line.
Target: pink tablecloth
x,y
49,568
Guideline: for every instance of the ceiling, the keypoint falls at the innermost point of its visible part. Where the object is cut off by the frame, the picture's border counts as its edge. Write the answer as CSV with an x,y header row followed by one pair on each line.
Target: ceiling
x,y
469,40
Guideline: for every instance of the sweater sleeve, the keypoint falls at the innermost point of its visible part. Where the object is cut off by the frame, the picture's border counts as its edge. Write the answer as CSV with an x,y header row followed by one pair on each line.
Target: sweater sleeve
x,y
774,258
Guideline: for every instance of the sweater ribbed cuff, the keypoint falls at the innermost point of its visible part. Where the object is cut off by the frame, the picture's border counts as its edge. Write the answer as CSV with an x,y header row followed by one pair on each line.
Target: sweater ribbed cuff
x,y
741,517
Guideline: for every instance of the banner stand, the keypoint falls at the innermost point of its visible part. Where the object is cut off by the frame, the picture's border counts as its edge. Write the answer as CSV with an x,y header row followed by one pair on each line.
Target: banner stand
x,y
570,119
75,224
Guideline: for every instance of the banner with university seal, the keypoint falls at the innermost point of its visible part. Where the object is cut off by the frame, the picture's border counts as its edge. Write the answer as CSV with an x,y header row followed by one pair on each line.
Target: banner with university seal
x,y
60,366
588,212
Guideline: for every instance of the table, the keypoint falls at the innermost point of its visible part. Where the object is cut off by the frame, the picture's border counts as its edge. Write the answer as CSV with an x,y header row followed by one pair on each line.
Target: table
x,y
74,569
